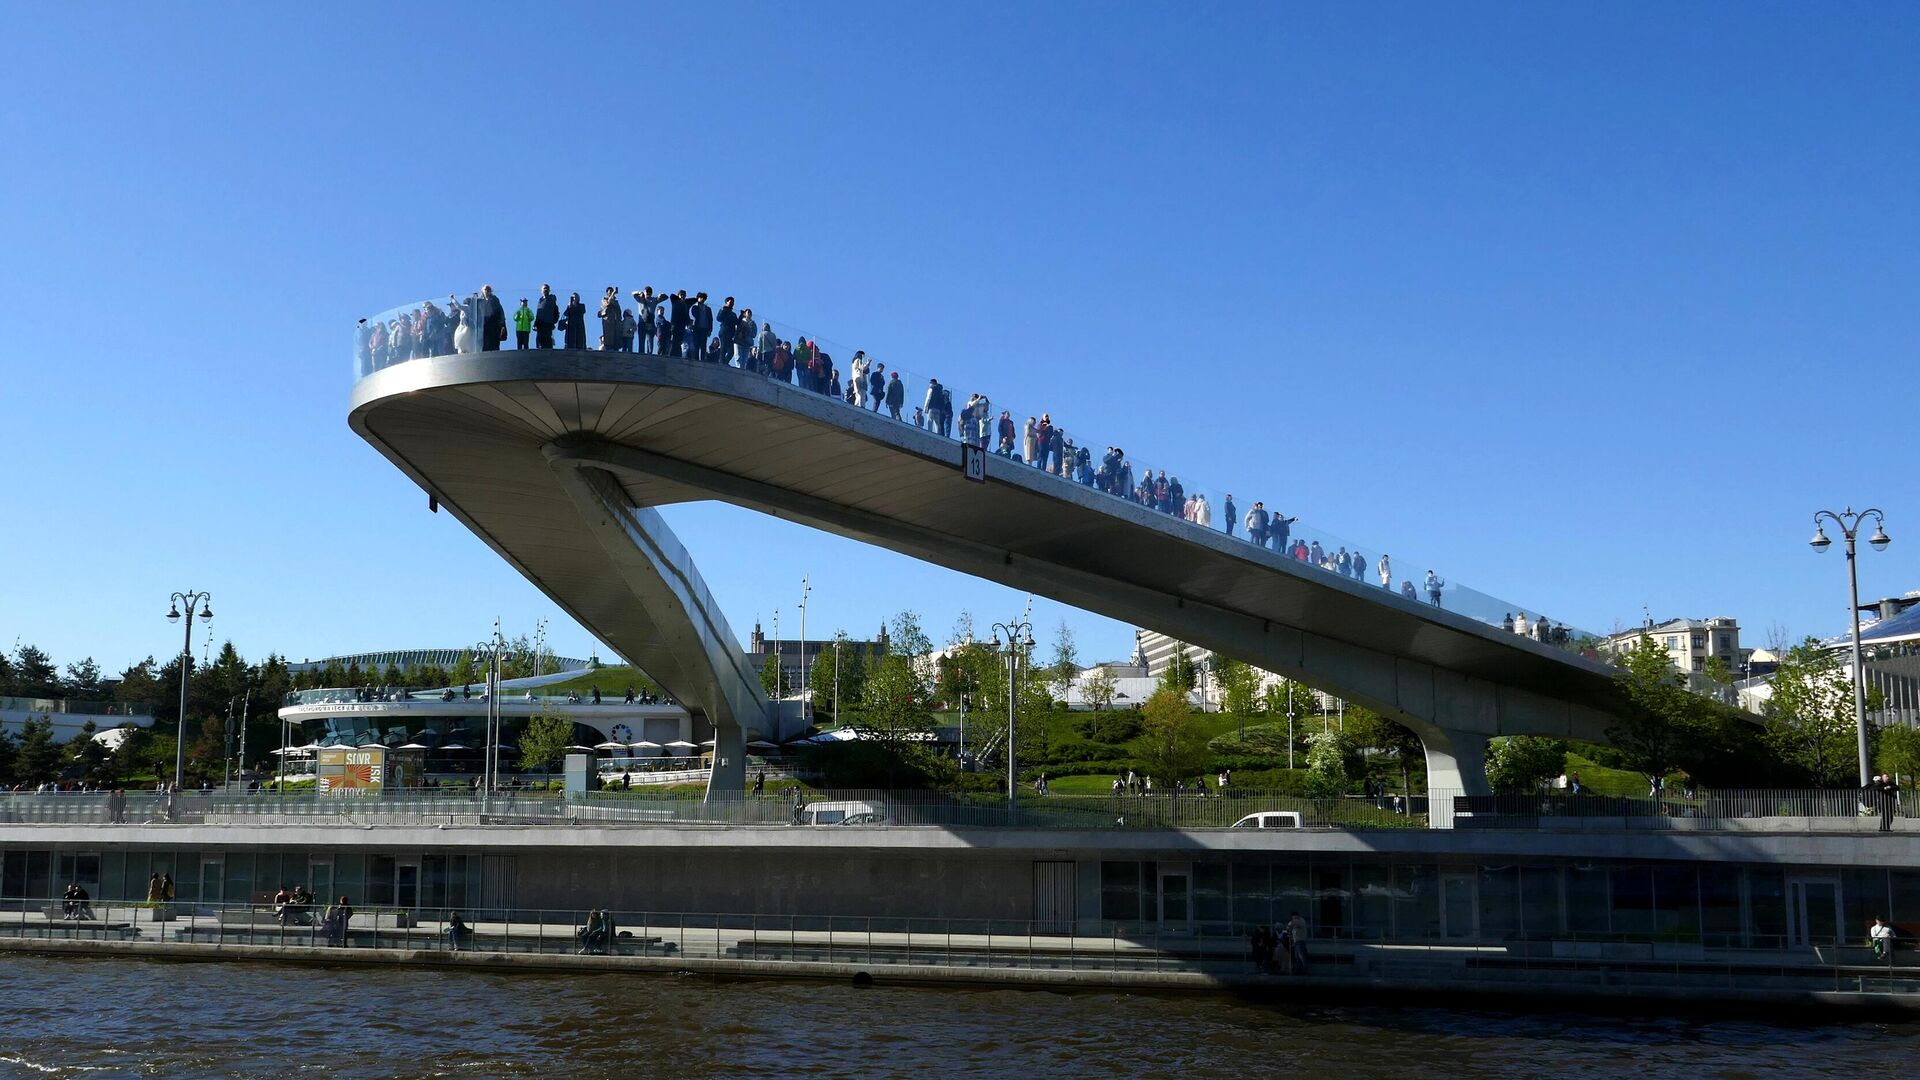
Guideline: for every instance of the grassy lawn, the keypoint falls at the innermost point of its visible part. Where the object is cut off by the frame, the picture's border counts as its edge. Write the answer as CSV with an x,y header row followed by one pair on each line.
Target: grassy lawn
x,y
612,680
1600,780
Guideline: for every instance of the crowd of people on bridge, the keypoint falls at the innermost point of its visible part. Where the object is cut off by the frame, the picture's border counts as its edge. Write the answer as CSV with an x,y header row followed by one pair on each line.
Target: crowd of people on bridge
x,y
689,326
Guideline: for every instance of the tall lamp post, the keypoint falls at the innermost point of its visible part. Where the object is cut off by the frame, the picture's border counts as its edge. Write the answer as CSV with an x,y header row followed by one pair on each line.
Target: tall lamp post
x,y
1019,635
1849,524
806,690
491,650
187,600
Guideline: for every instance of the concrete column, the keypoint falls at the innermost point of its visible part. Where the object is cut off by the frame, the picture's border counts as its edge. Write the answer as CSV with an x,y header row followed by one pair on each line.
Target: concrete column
x,y
1456,765
729,779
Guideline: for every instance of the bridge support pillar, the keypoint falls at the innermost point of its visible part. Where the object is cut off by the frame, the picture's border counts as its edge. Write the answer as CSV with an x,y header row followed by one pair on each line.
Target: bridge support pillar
x,y
1456,765
729,777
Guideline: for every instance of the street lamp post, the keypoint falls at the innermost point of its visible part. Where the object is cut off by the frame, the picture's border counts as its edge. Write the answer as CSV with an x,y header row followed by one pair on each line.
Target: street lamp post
x,y
1019,635
187,599
492,649
1849,523
806,696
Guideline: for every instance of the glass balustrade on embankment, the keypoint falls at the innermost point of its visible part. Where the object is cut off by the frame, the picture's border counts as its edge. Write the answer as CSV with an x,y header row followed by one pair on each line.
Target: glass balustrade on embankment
x,y
1759,811
1047,439
1200,935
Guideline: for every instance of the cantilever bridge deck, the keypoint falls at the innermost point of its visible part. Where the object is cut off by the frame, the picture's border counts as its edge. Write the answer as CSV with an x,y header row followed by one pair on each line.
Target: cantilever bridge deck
x,y
493,435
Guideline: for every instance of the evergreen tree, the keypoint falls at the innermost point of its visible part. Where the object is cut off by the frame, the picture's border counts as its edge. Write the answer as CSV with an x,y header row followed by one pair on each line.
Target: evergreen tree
x,y
37,758
34,674
92,760
83,680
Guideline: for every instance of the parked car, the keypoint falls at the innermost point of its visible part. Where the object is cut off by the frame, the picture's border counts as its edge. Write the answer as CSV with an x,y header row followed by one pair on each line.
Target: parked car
x,y
1270,819
837,812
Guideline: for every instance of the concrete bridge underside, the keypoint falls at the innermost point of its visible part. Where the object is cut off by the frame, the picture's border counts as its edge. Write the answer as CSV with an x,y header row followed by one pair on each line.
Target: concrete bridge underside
x,y
554,458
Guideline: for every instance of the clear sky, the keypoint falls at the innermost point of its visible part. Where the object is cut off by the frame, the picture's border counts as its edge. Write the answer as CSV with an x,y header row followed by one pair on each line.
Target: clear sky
x,y
1589,305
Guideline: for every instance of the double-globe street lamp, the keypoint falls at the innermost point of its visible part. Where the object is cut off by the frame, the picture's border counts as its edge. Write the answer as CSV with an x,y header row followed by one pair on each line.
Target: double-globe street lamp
x,y
492,651
187,600
1849,524
1019,636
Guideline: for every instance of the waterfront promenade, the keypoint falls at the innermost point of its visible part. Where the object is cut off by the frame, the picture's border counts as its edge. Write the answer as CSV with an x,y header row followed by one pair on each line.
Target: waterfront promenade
x,y
972,952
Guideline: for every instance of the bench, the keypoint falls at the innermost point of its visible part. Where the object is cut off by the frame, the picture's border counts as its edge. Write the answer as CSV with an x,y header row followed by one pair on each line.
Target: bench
x,y
93,928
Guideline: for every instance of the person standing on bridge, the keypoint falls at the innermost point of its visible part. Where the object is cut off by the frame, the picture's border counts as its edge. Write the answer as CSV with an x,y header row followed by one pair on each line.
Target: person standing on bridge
x,y
493,320
859,366
1229,514
767,344
647,317
1434,584
522,324
896,394
1519,617
610,323
936,414
877,387
546,314
743,334
677,318
1202,513
573,322
1279,529
702,326
1003,431
1386,572
1257,524
1029,440
728,321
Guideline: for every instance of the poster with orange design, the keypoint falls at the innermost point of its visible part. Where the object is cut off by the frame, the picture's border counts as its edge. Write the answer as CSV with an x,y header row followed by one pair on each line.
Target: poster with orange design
x,y
348,772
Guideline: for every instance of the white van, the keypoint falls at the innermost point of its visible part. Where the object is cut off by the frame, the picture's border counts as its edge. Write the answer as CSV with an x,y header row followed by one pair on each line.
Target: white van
x,y
1270,819
840,813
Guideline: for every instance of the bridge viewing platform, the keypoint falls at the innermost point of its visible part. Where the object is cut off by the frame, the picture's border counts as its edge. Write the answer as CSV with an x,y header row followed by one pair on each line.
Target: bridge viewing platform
x,y
556,457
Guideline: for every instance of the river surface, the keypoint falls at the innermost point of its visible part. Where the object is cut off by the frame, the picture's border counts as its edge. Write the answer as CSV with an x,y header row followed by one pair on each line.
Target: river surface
x,y
71,1017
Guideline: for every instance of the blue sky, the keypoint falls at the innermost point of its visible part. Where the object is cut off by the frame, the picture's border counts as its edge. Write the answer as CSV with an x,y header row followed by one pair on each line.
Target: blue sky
x,y
1587,305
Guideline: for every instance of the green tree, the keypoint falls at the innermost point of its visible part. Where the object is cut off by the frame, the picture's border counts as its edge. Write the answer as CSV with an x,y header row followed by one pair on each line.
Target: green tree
x,y
83,680
1172,744
34,674
1065,666
1375,732
37,758
770,676
1331,763
895,711
1099,688
94,761
466,670
1239,689
839,674
1809,715
8,751
906,638
894,703
1522,763
1663,720
1899,752
544,741
1180,675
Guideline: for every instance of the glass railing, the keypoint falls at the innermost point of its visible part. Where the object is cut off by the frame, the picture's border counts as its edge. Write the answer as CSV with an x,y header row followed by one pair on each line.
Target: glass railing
x,y
71,707
475,692
1037,439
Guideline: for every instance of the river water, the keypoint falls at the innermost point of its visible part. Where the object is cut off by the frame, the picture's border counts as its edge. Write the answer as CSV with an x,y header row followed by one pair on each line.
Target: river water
x,y
109,1018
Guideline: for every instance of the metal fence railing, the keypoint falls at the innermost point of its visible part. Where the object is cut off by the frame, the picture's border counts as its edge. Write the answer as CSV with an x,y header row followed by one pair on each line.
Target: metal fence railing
x,y
1567,961
1813,811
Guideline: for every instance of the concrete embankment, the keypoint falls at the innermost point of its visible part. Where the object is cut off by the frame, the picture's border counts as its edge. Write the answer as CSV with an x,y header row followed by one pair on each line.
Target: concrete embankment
x,y
1855,994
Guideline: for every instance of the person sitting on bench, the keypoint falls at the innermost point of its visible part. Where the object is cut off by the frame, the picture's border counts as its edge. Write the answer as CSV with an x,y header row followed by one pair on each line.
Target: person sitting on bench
x,y
457,931
76,903
1880,935
593,936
